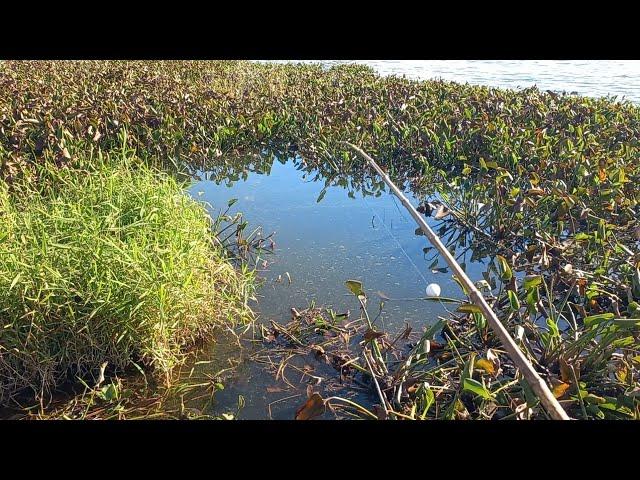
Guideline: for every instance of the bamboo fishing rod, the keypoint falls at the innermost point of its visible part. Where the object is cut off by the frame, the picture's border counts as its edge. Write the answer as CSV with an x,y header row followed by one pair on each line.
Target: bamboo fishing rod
x,y
538,385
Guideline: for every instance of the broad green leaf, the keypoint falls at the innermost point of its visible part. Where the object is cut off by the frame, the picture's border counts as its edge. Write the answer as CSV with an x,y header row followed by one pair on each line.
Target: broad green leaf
x,y
505,269
476,387
582,236
429,399
467,372
355,287
531,281
457,280
596,319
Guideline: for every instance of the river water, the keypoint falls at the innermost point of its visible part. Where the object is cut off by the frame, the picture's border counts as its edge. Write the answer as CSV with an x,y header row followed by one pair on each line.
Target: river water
x,y
319,245
595,78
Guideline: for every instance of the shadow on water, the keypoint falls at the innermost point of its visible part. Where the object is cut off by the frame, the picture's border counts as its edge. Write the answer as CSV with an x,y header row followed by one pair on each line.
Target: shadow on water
x,y
327,228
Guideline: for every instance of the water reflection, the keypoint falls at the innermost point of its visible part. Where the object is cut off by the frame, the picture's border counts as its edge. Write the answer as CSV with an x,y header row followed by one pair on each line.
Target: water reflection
x,y
328,229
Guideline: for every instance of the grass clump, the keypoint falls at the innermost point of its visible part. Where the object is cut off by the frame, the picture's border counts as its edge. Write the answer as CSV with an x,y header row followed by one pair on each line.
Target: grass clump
x,y
115,264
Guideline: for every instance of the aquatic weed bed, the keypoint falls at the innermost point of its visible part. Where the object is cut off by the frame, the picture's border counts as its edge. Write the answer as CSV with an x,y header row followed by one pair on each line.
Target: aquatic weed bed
x,y
546,181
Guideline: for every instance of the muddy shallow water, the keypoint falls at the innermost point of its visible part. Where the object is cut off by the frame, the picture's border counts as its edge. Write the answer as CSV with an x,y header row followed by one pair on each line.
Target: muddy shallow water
x,y
320,245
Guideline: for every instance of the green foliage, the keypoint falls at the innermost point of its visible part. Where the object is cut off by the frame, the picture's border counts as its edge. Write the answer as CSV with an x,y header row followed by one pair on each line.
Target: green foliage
x,y
114,264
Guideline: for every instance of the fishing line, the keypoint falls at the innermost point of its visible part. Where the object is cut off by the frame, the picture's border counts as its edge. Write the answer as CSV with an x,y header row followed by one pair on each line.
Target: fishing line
x,y
396,240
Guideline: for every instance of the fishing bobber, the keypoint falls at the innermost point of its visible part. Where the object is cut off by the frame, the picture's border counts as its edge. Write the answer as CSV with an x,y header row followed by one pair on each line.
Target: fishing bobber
x,y
433,290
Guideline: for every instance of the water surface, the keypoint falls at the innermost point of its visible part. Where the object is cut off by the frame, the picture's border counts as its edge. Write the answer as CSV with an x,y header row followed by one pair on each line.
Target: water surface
x,y
320,245
594,78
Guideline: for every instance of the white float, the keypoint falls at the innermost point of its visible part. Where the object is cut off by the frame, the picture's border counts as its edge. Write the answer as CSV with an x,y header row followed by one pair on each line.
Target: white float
x,y
433,290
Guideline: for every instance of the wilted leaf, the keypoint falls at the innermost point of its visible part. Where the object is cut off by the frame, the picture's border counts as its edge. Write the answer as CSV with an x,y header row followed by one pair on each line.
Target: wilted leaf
x,y
493,358
485,365
312,408
565,371
371,334
532,192
382,295
441,212
622,373
519,332
560,389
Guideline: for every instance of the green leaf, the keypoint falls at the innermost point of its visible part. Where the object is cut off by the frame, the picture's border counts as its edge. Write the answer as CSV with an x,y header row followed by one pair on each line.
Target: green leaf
x,y
596,319
467,372
432,330
479,320
442,299
471,385
582,236
505,271
355,287
468,308
531,281
322,194
513,300
457,280
428,398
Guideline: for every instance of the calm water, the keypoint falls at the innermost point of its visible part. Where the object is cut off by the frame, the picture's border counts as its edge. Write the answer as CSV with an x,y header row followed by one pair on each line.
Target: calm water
x,y
372,239
322,244
594,78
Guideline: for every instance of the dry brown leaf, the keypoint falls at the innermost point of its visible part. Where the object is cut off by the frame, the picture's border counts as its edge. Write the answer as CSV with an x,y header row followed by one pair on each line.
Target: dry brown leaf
x,y
565,371
485,365
371,334
441,212
313,407
560,389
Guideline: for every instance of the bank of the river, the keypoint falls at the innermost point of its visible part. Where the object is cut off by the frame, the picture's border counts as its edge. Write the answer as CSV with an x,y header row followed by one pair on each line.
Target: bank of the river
x,y
547,181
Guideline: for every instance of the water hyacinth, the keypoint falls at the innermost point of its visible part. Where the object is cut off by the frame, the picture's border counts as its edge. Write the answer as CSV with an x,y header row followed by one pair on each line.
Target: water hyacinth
x,y
543,187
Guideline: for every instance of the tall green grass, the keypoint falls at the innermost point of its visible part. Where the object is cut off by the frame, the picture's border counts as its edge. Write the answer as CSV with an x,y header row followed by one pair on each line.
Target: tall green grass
x,y
110,263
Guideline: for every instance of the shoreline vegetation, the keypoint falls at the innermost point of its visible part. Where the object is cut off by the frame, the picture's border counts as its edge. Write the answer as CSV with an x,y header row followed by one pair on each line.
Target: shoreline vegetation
x,y
542,185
